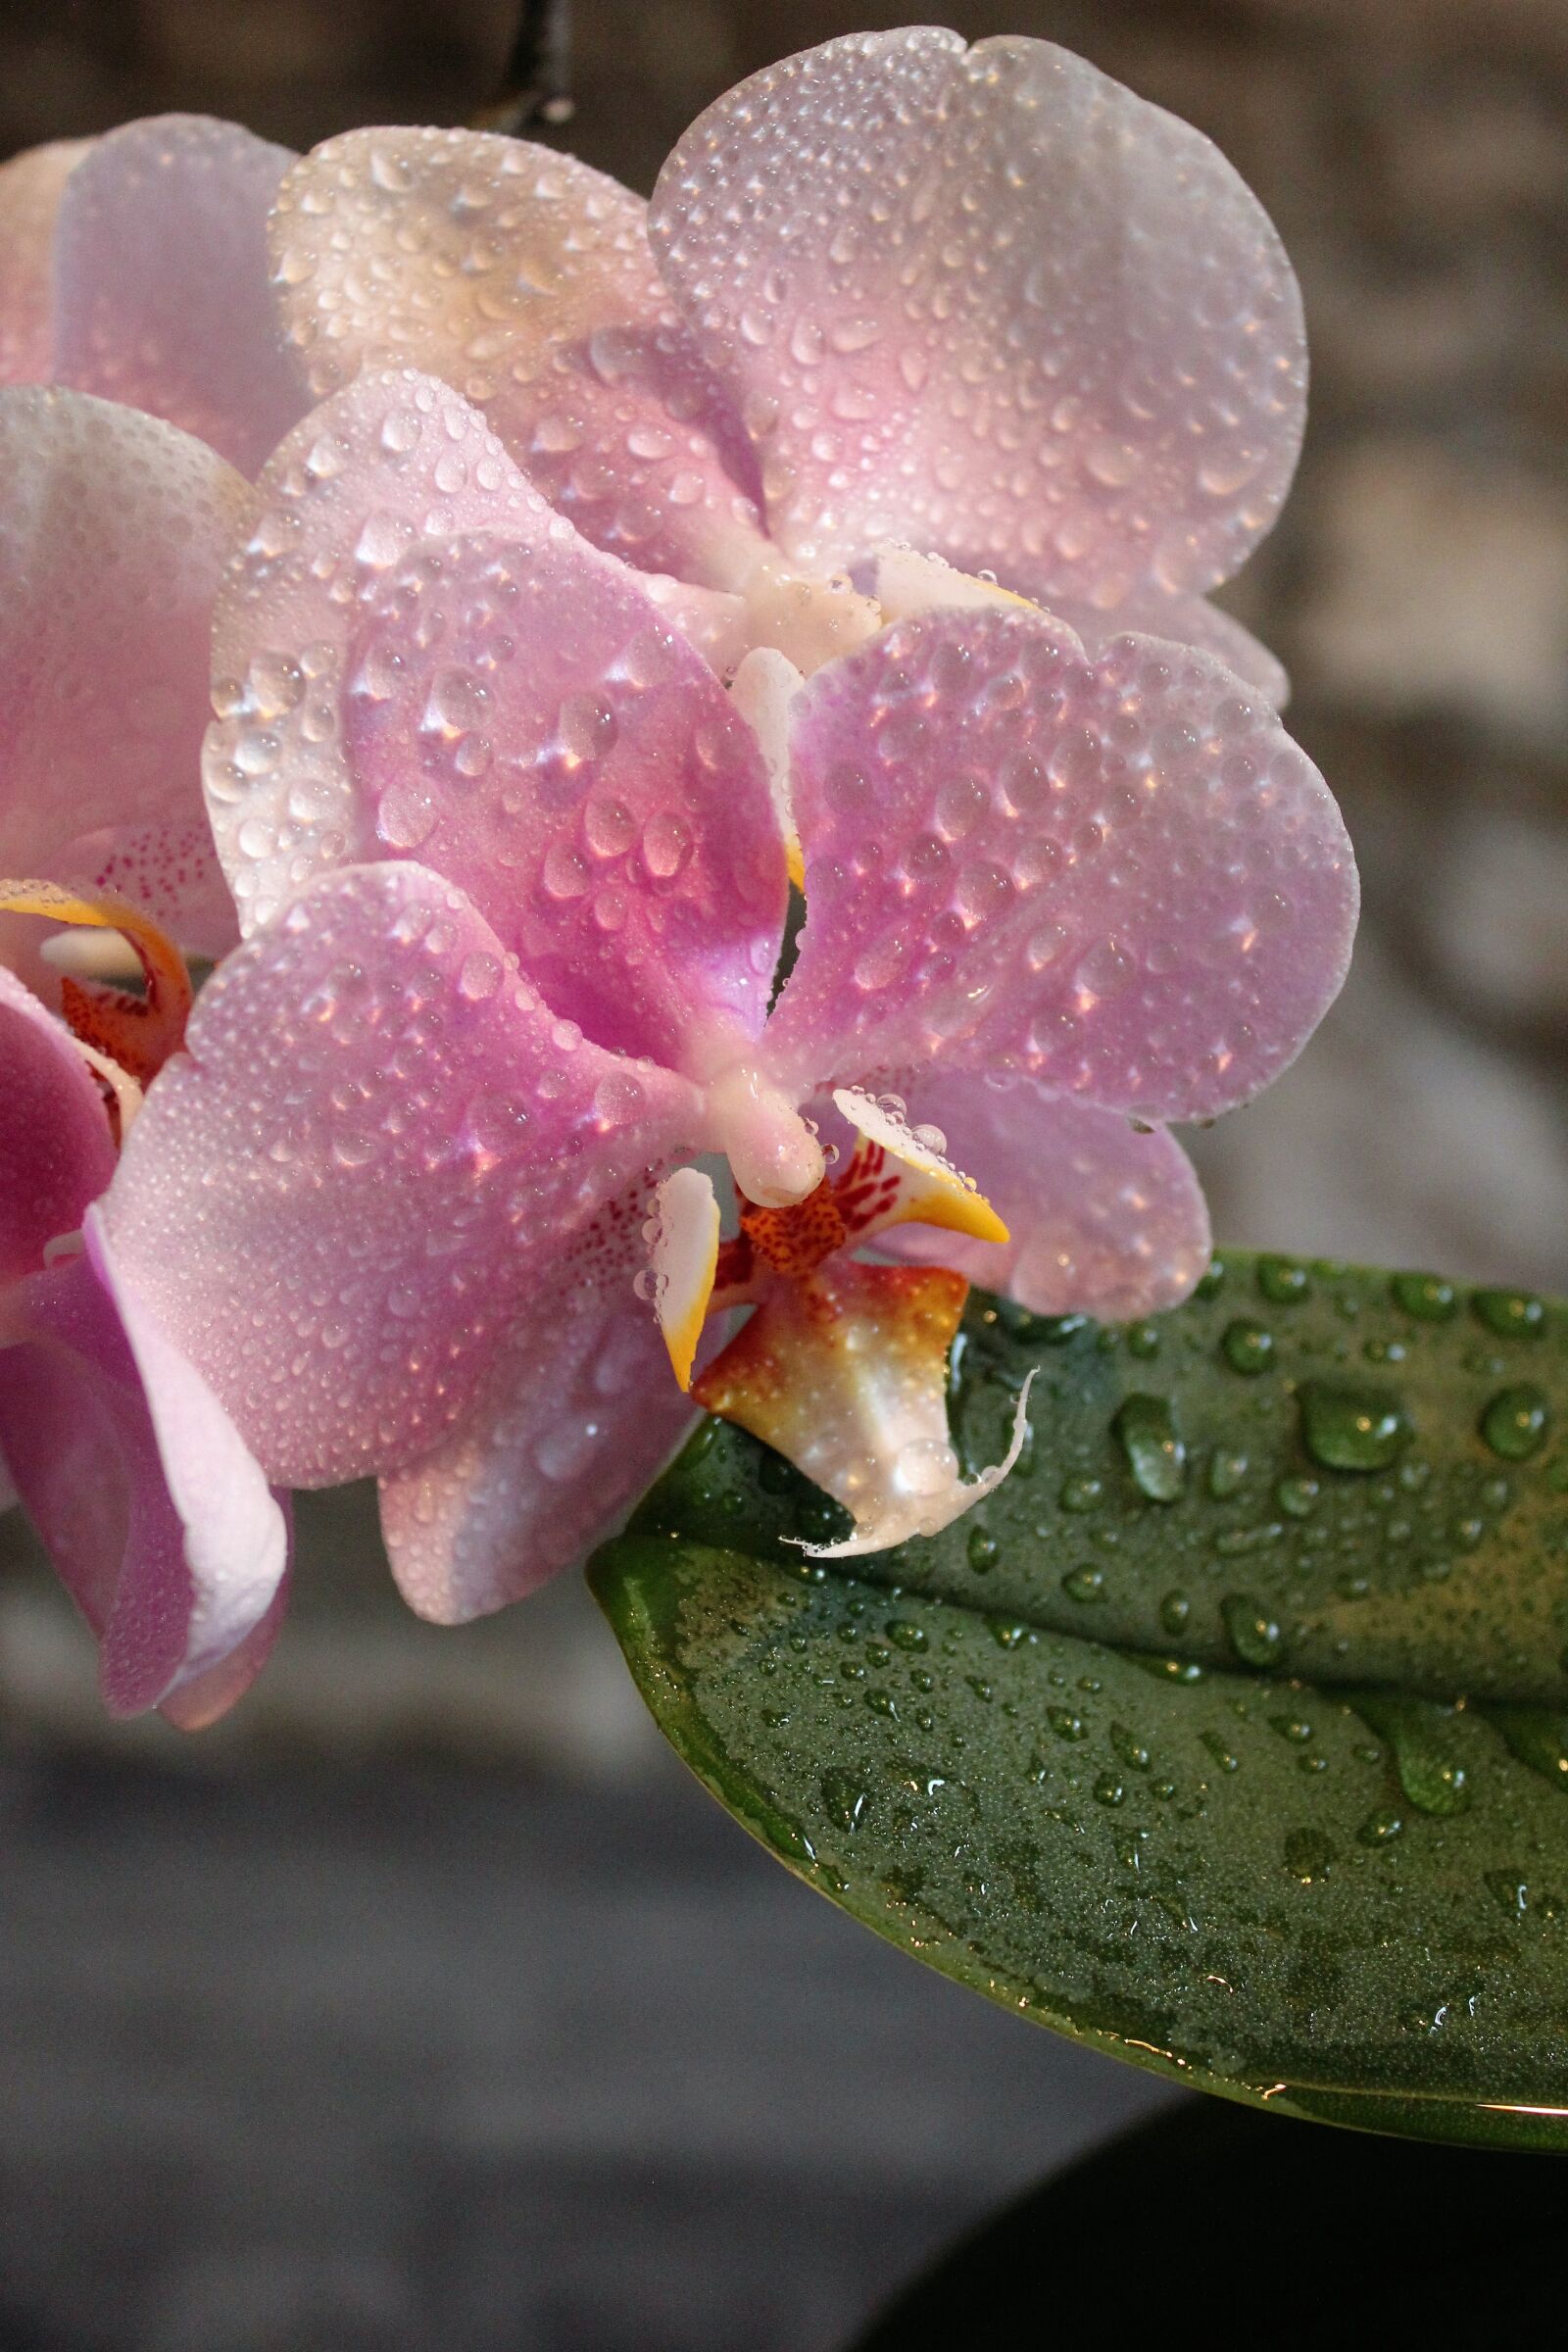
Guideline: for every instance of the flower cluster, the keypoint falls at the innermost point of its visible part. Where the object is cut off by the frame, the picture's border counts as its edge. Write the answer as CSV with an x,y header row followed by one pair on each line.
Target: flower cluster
x,y
570,575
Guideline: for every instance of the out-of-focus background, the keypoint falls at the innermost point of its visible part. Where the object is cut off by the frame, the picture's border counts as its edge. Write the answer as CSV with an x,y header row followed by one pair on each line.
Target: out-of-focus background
x,y
426,2002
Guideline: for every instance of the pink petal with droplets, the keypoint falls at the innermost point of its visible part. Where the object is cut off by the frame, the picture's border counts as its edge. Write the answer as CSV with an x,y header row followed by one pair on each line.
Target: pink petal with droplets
x,y
1185,621
158,1521
114,528
56,1151
579,1416
1118,878
524,279
340,504
161,283
907,583
991,303
522,719
378,1139
31,187
1104,1219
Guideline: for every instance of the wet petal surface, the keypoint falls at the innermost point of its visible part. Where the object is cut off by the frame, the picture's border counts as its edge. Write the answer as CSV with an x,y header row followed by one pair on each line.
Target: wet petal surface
x,y
1104,1219
56,1151
524,279
377,1142
993,303
580,1414
523,720
161,283
30,188
391,459
157,1520
114,528
1119,877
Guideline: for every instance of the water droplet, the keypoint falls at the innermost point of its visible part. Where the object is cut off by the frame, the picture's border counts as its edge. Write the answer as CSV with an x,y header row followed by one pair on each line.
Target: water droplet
x,y
667,838
1080,1494
1426,1296
1155,1454
1379,1828
1514,1424
904,1634
1421,1736
1174,1610
1255,1635
479,976
1248,1346
1308,1855
1350,1428
1537,1735
844,1797
1066,1724
1084,1584
983,1550
1283,1282
1511,1314
1128,1747
1226,1472
1109,1790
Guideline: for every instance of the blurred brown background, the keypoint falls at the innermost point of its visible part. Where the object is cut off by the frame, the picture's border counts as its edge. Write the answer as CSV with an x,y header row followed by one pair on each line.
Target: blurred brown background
x,y
425,2002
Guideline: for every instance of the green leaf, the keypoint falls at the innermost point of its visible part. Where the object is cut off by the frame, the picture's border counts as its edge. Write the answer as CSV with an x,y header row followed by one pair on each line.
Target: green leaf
x,y
1229,1735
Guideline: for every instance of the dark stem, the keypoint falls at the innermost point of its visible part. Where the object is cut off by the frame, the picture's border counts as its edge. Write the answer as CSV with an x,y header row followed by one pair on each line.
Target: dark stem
x,y
535,92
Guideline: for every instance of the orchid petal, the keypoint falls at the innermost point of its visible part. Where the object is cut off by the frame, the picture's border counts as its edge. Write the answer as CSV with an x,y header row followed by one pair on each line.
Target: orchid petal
x,y
30,188
1119,877
340,504
1185,621
378,1140
524,278
907,583
523,721
161,283
579,1416
56,1151
1105,1219
156,1518
112,532
992,302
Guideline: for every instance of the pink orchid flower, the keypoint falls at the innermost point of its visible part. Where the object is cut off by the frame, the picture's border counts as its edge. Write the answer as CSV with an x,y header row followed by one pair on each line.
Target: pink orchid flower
x,y
982,304
113,531
526,875
135,267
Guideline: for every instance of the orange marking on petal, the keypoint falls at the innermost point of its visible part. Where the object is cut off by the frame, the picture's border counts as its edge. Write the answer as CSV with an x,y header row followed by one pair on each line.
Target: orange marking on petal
x,y
794,1241
138,1033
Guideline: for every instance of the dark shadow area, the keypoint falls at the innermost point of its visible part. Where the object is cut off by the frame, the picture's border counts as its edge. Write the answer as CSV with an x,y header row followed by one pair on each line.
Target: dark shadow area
x,y
1325,2232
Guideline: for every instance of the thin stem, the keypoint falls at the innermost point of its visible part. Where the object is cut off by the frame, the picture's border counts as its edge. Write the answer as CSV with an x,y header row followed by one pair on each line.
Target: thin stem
x,y
535,91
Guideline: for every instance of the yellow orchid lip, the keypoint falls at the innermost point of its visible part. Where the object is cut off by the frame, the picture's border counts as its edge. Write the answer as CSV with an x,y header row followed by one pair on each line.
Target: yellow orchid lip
x,y
930,1190
684,1261
843,1366
139,1034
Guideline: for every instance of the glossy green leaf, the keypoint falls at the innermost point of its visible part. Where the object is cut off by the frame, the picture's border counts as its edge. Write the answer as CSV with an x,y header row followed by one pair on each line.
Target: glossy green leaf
x,y
1230,1734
